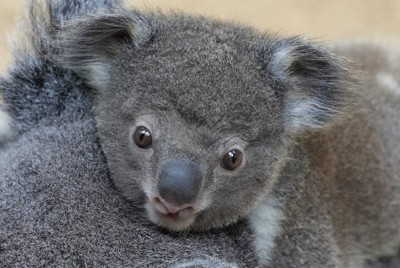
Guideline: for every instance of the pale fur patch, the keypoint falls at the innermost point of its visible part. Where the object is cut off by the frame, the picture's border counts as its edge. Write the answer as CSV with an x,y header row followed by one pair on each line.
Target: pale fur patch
x,y
5,128
388,82
265,220
281,60
300,114
98,74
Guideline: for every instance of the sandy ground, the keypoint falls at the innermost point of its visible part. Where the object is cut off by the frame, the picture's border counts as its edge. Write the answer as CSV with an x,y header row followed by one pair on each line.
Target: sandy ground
x,y
326,20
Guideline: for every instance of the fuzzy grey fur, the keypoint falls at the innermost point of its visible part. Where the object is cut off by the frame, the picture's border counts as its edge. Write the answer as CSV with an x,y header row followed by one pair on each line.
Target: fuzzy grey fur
x,y
320,180
58,207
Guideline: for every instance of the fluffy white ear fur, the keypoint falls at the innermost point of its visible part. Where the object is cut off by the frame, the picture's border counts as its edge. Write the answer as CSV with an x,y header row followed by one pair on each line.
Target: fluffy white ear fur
x,y
319,87
97,74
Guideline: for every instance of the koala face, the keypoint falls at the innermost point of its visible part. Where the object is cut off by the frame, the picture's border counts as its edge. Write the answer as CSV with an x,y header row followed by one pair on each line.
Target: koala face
x,y
194,115
183,126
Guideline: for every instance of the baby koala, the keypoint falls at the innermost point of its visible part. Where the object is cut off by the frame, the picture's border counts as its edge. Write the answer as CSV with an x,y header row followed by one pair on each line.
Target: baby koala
x,y
205,123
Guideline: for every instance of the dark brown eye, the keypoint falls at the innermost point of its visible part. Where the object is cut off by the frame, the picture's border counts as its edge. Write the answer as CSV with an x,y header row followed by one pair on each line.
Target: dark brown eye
x,y
232,159
142,137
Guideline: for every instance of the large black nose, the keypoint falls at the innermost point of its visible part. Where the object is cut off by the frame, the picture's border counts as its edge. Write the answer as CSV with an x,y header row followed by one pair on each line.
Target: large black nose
x,y
179,181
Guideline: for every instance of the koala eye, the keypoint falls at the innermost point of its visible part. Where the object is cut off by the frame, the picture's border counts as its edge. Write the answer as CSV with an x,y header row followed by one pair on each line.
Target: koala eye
x,y
232,159
142,137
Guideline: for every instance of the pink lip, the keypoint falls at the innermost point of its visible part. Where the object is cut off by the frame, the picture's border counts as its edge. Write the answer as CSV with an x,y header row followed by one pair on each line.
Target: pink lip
x,y
165,208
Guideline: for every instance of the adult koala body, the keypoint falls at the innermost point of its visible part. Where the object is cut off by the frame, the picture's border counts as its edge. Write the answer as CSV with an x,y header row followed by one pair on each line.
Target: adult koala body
x,y
205,123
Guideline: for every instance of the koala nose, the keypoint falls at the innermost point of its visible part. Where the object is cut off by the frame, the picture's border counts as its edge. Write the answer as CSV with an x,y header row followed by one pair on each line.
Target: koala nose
x,y
179,182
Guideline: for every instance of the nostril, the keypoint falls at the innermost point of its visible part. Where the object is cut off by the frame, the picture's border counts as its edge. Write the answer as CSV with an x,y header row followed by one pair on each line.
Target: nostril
x,y
166,208
159,206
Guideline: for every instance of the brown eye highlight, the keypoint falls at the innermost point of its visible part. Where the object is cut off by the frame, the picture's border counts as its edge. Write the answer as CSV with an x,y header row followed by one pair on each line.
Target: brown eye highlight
x,y
142,137
232,159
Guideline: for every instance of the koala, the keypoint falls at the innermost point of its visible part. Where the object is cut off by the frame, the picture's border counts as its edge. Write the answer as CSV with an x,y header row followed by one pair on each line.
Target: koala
x,y
205,122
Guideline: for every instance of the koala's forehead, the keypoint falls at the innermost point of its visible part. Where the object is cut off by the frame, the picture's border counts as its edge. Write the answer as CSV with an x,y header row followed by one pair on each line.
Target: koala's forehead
x,y
206,71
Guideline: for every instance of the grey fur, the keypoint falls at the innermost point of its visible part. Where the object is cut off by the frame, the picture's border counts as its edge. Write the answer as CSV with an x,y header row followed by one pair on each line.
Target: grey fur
x,y
321,154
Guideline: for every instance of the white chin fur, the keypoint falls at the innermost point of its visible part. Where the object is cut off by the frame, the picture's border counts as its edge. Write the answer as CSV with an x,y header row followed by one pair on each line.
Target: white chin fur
x,y
266,220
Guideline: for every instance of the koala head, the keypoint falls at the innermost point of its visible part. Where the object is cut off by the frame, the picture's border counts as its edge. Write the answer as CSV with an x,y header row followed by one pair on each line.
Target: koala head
x,y
196,116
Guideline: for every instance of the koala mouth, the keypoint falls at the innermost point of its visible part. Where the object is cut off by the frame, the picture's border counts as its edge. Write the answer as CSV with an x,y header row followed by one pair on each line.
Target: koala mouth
x,y
170,216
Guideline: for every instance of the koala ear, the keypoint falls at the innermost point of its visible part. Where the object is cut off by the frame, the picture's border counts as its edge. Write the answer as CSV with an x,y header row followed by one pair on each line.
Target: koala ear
x,y
89,45
318,88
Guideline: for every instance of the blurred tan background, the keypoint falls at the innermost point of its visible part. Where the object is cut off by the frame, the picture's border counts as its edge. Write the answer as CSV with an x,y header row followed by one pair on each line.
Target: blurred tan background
x,y
325,20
